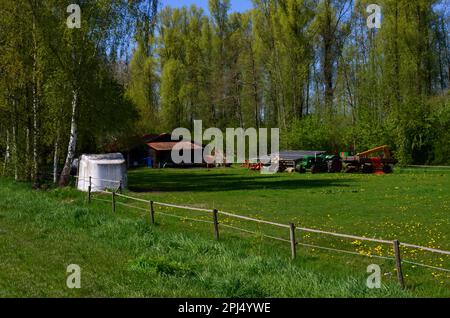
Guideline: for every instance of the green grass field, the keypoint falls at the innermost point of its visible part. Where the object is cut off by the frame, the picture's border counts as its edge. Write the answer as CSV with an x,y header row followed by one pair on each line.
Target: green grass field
x,y
123,255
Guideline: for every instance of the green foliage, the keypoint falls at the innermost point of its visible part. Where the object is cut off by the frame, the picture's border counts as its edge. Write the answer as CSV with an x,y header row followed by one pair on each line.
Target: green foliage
x,y
54,78
171,94
440,108
142,89
161,266
361,87
311,68
308,133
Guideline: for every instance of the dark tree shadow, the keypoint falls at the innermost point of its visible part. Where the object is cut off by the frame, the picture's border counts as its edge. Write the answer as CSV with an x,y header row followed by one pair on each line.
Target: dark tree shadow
x,y
190,181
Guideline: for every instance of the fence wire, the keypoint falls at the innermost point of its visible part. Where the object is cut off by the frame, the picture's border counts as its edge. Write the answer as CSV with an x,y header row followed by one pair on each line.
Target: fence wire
x,y
344,251
184,218
254,233
260,222
427,266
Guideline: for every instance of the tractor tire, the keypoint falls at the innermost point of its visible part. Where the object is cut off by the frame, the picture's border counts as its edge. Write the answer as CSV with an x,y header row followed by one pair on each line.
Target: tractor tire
x,y
387,169
314,169
301,170
367,169
349,168
335,166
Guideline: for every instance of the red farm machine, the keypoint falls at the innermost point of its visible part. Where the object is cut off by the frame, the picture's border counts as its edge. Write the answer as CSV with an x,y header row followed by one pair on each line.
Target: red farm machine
x,y
378,160
252,166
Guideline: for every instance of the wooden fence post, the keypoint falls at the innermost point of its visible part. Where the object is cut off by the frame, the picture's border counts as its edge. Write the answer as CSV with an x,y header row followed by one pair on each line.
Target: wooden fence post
x,y
216,224
113,196
90,190
120,187
398,262
293,242
152,212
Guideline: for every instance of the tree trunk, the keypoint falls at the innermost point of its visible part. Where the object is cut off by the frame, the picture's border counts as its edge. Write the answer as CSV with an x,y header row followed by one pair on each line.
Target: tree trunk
x,y
440,62
35,167
27,153
255,87
237,100
256,104
308,85
7,152
64,180
35,170
14,151
328,58
55,159
397,61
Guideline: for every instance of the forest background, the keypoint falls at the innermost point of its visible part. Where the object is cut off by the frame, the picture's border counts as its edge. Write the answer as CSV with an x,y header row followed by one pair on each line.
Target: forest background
x,y
314,69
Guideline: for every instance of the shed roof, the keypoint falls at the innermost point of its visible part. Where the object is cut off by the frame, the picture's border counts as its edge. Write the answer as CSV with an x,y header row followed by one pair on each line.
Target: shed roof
x,y
168,146
105,159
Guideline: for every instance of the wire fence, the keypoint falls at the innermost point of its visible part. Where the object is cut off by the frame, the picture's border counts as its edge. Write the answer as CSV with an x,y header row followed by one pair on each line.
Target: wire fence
x,y
215,215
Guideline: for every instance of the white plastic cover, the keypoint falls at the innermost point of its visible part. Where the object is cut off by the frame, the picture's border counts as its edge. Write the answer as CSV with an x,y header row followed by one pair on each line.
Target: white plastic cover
x,y
106,171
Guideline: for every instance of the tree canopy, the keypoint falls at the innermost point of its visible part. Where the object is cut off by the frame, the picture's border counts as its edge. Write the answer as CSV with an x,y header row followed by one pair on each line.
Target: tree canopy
x,y
314,69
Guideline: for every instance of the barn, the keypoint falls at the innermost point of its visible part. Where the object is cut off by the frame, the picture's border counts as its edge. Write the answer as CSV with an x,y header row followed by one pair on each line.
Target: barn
x,y
160,150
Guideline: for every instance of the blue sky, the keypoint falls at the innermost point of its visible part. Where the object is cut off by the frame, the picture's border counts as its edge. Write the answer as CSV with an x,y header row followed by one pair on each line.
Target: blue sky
x,y
236,5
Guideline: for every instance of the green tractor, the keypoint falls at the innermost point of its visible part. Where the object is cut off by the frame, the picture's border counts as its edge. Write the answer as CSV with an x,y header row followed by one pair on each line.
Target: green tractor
x,y
320,164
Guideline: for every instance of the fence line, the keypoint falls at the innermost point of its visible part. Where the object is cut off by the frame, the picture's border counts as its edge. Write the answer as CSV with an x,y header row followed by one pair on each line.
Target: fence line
x,y
254,233
429,266
167,205
185,218
282,225
253,220
343,251
429,249
87,179
131,198
396,244
345,236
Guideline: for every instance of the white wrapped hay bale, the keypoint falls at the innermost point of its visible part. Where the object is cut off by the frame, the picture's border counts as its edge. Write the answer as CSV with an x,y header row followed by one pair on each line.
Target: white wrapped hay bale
x,y
106,171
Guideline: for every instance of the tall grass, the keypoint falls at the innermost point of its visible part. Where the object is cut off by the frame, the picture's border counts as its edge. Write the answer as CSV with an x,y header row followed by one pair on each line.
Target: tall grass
x,y
122,255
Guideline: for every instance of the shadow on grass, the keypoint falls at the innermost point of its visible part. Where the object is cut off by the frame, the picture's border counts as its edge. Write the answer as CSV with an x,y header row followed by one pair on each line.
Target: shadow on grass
x,y
188,181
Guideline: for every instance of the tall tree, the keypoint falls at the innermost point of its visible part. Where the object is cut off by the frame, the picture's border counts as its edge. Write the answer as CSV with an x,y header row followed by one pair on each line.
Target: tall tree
x,y
331,27
144,82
